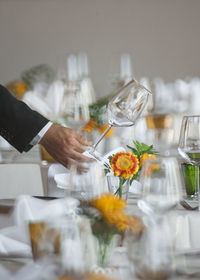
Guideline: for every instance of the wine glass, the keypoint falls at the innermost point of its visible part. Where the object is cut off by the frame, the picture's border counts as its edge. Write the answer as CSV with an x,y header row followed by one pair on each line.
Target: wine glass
x,y
120,70
76,110
189,145
124,109
161,186
160,192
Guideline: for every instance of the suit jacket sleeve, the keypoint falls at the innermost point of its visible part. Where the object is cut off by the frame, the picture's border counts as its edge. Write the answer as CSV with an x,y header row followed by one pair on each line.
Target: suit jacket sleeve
x,y
18,123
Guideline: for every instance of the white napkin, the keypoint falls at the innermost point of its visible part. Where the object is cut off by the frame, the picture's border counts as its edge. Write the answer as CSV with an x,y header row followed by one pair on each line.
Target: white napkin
x,y
185,228
14,240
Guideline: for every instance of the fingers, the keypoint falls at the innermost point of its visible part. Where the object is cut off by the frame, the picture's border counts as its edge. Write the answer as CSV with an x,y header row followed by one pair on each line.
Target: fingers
x,y
82,140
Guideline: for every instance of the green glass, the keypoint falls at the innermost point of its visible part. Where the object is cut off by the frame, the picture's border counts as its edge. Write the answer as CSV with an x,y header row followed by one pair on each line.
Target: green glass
x,y
189,178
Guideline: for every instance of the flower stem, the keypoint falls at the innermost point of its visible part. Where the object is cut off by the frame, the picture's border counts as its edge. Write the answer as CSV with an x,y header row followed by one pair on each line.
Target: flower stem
x,y
103,246
120,187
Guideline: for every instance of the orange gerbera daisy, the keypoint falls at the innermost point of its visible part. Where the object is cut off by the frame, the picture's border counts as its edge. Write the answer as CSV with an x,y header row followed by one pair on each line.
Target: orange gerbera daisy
x,y
124,165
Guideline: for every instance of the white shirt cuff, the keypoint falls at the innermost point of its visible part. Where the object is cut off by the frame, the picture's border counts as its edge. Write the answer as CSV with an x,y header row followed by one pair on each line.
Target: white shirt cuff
x,y
41,133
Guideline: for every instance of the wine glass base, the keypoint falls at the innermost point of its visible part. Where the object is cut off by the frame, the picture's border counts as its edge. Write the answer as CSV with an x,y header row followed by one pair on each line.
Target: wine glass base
x,y
93,154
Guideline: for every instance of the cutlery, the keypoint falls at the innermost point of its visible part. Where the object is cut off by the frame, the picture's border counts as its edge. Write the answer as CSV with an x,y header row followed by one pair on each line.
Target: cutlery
x,y
187,205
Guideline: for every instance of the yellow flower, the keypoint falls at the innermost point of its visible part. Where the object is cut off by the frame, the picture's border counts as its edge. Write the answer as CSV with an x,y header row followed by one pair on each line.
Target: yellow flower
x,y
108,203
89,126
102,128
151,167
124,165
111,208
146,157
18,88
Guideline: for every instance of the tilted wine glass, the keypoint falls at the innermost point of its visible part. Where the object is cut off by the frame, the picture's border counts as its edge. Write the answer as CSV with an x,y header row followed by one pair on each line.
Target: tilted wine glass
x,y
124,109
189,145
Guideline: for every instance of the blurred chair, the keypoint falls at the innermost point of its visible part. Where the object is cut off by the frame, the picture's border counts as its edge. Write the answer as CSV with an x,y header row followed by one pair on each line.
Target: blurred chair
x,y
17,179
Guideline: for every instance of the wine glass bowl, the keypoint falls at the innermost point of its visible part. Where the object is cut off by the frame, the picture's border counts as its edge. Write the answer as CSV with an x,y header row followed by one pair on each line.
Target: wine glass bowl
x,y
189,146
161,186
189,142
127,104
124,108
76,110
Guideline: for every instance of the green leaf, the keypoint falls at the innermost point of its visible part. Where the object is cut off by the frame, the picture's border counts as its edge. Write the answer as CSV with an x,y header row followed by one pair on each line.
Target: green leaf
x,y
141,148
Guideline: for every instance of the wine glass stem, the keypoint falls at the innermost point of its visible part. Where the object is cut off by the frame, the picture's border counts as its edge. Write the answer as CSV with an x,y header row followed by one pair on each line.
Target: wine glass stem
x,y
197,184
101,137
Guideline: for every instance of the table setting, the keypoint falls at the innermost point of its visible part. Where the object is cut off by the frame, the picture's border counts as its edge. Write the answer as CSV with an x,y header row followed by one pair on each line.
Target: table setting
x,y
133,213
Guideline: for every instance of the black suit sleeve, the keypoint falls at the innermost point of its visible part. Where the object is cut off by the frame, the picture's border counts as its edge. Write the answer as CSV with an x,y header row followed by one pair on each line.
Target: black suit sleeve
x,y
18,123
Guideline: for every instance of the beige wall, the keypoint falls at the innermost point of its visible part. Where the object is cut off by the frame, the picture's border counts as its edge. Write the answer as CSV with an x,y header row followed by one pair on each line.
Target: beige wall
x,y
163,36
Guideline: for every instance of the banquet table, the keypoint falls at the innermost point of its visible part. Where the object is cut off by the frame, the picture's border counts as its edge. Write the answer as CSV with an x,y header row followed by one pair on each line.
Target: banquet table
x,y
13,263
185,223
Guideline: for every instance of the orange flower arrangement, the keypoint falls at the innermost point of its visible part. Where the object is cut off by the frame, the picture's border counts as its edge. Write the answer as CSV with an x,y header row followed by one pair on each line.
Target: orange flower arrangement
x,y
108,218
124,165
111,208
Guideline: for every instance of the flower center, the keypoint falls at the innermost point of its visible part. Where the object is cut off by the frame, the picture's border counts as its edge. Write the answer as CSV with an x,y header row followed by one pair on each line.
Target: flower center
x,y
123,163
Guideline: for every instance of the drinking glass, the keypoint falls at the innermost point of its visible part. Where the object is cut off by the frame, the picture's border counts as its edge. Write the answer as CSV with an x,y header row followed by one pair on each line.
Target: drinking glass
x,y
124,109
161,186
120,70
153,254
189,145
75,107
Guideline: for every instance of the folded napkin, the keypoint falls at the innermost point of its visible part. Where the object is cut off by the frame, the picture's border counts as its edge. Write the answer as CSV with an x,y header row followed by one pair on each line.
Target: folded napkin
x,y
185,226
14,240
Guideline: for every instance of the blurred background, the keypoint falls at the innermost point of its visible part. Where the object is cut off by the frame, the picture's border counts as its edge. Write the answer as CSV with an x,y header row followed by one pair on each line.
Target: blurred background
x,y
66,58
161,36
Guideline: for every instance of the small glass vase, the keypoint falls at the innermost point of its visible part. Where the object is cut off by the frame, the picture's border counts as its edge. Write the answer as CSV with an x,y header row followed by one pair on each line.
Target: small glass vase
x,y
105,246
106,250
117,186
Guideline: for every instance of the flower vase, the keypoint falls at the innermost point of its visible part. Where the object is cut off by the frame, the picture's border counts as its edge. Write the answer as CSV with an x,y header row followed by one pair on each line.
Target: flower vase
x,y
117,186
106,245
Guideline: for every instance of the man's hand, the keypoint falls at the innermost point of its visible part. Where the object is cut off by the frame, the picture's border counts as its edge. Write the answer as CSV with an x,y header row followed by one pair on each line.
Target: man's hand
x,y
65,145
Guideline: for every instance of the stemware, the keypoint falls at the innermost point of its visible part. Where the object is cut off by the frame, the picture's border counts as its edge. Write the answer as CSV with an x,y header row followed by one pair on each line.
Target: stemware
x,y
120,70
152,255
124,109
76,110
189,145
161,186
